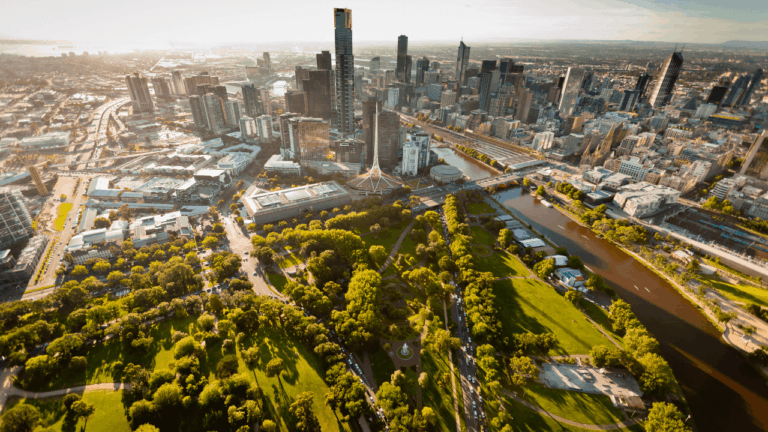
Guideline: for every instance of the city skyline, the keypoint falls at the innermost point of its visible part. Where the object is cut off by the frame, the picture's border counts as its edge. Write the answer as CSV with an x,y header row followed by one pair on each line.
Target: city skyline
x,y
639,20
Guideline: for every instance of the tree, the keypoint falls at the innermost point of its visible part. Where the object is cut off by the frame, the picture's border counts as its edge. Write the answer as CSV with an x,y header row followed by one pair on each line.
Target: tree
x,y
540,191
207,322
115,277
21,418
275,367
665,417
101,222
210,242
269,426
214,304
79,270
227,366
168,396
83,409
147,428
301,409
573,296
657,376
378,253
423,379
70,399
522,368
429,416
544,268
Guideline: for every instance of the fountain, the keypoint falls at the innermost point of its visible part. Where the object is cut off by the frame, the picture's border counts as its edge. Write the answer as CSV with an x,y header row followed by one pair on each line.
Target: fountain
x,y
404,352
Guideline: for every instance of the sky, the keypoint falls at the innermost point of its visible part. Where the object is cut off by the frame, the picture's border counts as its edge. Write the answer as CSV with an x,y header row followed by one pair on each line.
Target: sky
x,y
159,22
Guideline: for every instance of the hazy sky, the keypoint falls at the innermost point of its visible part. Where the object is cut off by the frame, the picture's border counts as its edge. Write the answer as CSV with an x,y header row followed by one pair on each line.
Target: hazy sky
x,y
161,21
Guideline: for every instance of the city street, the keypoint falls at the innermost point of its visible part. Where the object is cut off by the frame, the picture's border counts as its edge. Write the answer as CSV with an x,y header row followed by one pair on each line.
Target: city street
x,y
240,244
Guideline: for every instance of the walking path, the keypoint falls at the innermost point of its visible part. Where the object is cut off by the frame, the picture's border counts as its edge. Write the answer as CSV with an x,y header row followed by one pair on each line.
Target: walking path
x,y
453,376
7,389
396,247
613,426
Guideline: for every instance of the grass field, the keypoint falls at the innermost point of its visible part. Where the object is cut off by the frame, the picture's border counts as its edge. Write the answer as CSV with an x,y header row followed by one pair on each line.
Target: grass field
x,y
501,264
739,293
386,239
600,316
110,415
61,218
277,280
576,406
480,208
290,260
532,306
408,246
481,236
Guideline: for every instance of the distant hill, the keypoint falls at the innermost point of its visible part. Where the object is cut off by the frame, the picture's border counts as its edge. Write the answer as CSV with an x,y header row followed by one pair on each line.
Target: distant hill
x,y
746,44
12,41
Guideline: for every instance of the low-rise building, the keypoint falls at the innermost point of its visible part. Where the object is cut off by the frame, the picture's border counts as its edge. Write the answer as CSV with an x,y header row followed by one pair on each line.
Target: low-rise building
x,y
277,164
21,270
264,206
644,199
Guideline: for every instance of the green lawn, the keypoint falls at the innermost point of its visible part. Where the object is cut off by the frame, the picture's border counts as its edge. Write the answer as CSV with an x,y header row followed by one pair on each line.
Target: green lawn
x,y
739,293
61,218
278,280
480,208
600,316
576,406
386,239
481,236
525,419
501,264
408,246
532,306
290,260
110,415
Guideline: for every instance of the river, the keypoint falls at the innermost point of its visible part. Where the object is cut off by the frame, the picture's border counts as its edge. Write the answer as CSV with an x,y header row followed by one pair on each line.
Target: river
x,y
723,391
470,167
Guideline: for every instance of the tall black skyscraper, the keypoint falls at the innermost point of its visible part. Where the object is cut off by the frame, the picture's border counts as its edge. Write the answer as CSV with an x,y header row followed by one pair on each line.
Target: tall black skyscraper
x,y
462,61
252,101
642,83
402,52
486,74
324,60
422,66
345,71
408,68
737,91
716,95
670,71
752,87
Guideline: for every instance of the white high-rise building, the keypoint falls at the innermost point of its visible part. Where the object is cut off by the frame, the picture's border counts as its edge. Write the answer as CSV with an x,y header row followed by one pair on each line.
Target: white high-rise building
x,y
393,96
571,87
543,141
234,112
248,127
422,140
410,165
264,124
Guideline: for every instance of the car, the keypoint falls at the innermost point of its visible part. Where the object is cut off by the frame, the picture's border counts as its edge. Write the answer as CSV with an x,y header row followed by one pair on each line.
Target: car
x,y
469,339
474,404
255,273
475,414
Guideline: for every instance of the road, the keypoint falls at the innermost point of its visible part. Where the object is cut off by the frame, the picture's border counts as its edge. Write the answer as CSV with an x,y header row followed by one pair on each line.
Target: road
x,y
472,401
240,244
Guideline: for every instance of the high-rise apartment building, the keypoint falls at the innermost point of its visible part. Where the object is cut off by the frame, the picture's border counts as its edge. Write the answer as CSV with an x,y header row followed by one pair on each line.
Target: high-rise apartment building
x,y
319,94
252,101
642,83
507,67
162,87
376,63
324,60
389,139
410,164
523,109
296,102
267,62
301,74
15,222
370,107
138,87
198,111
233,112
665,84
462,61
248,127
358,84
214,110
571,88
178,83
499,105
423,141
408,69
264,126
543,141
486,75
221,92
753,85
447,99
266,102
422,66
308,139
402,52
349,151
345,71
